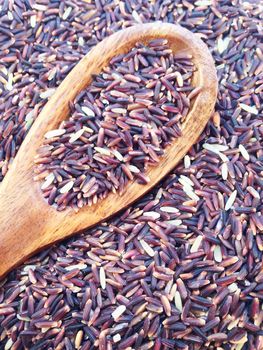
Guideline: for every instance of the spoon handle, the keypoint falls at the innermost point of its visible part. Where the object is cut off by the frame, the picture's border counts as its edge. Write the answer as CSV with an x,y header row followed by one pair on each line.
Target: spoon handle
x,y
18,220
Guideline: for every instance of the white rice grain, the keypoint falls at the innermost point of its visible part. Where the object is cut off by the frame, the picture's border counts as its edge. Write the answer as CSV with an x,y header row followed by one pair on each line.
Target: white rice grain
x,y
54,133
241,343
169,209
223,157
116,338
48,181
77,266
185,180
217,253
134,169
74,137
33,21
253,192
173,291
78,339
9,85
233,287
115,76
187,162
81,41
52,73
203,3
249,109
118,312
29,115
4,70
178,301
190,194
159,194
152,214
136,16
119,110
89,112
8,344
117,154
104,151
222,44
177,222
215,148
102,278
224,171
29,267
39,7
88,129
66,188
244,152
231,200
187,187
67,13
233,324
147,248
196,244
29,119
48,93
9,15
179,79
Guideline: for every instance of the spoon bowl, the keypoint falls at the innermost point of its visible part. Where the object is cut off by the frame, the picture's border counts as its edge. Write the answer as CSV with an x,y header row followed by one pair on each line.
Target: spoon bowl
x,y
27,222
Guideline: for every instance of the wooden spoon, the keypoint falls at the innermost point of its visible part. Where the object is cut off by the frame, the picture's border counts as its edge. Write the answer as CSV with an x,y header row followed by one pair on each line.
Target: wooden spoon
x,y
27,222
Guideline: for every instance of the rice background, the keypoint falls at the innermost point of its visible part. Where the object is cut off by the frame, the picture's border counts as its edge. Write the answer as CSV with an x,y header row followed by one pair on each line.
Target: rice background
x,y
65,297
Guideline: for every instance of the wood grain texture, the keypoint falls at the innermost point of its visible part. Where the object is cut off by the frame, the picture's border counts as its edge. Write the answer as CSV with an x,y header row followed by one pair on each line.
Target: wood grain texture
x,y
27,222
